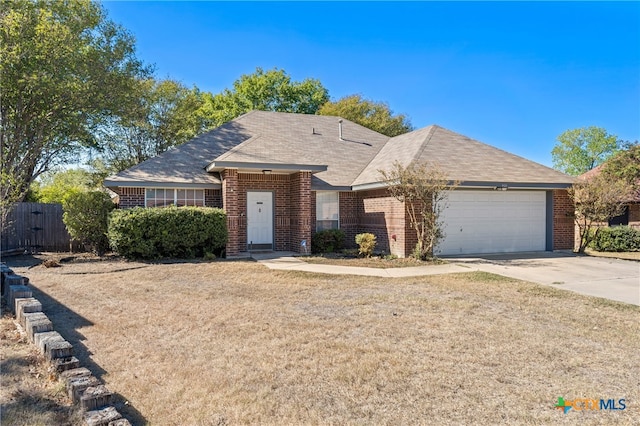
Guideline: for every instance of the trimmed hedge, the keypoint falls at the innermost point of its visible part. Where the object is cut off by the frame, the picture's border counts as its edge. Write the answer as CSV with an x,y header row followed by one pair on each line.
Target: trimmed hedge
x,y
616,238
174,232
327,241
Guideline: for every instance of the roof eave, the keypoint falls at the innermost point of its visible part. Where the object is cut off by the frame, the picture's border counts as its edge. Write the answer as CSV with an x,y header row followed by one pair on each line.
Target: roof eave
x,y
148,184
481,185
218,166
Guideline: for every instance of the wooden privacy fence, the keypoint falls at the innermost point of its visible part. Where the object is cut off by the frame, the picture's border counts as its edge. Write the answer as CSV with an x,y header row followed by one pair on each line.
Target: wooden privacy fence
x,y
36,227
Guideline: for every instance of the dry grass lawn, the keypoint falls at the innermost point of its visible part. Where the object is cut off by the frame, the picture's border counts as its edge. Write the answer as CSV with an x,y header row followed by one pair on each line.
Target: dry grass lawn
x,y
236,343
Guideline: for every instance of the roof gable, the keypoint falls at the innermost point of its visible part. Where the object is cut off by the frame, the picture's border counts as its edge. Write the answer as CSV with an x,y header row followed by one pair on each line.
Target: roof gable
x,y
282,138
461,159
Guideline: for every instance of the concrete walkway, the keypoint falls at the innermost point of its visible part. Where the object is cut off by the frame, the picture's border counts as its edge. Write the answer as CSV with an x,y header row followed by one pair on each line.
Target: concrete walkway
x,y
608,278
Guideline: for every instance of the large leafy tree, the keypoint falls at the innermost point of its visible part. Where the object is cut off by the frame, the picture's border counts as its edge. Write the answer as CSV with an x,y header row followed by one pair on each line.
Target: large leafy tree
x,y
373,115
271,90
167,114
580,150
65,68
625,165
53,187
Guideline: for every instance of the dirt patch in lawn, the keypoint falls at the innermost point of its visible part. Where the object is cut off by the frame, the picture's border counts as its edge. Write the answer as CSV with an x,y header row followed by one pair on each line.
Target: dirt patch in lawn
x,y
236,343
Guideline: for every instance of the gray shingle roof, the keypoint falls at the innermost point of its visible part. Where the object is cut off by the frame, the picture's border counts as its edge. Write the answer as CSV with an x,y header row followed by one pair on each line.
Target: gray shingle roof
x,y
266,137
461,158
185,164
282,138
261,137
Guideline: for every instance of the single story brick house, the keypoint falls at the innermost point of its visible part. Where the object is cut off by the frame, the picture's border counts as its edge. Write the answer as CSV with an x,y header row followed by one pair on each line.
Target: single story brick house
x,y
281,177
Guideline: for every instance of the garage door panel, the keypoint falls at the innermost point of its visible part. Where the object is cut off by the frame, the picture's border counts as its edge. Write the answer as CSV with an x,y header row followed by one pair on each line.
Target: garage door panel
x,y
494,222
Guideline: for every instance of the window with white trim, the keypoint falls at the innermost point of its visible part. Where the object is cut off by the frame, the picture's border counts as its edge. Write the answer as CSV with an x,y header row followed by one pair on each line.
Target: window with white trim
x,y
163,197
190,197
327,210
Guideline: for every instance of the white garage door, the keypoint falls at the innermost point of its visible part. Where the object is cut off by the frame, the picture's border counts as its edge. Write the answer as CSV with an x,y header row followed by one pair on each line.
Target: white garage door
x,y
494,222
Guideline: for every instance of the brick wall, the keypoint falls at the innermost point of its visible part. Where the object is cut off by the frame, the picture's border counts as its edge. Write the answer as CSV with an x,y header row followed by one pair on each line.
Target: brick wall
x,y
213,198
563,224
634,215
383,216
348,213
130,197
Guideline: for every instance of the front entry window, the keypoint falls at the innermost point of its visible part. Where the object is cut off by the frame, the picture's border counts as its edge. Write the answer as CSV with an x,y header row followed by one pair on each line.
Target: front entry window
x,y
327,214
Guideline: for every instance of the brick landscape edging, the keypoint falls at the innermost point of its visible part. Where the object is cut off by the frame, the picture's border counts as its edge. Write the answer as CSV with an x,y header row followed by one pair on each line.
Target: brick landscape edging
x,y
85,390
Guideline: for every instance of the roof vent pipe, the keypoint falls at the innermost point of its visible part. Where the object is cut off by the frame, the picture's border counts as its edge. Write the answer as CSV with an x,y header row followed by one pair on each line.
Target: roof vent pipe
x,y
340,129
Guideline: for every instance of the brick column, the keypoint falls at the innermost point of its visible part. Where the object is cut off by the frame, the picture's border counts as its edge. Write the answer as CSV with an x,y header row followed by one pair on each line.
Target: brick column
x,y
348,211
563,224
301,211
230,205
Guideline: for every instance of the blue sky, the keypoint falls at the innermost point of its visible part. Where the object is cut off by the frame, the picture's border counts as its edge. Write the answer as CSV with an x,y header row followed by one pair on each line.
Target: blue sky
x,y
511,74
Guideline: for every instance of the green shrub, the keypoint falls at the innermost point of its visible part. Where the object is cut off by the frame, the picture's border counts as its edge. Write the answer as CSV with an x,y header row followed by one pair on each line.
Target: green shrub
x,y
327,241
617,238
367,243
209,256
175,232
85,216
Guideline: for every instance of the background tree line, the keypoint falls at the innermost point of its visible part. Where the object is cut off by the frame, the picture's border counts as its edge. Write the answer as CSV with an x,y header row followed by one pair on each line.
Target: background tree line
x,y
71,87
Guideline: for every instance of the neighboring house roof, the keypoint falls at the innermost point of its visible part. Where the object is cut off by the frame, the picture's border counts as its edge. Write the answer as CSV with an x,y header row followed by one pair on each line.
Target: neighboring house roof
x,y
591,173
635,198
283,141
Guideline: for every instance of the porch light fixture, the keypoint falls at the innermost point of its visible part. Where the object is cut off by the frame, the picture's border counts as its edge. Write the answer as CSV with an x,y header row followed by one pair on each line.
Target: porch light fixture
x,y
266,171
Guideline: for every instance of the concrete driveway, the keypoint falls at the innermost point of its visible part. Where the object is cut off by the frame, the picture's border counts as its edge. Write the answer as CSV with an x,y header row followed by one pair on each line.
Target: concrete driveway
x,y
613,279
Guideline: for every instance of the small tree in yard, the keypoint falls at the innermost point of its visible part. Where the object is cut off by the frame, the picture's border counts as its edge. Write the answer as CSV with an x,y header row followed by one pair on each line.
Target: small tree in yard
x,y
597,200
423,188
86,215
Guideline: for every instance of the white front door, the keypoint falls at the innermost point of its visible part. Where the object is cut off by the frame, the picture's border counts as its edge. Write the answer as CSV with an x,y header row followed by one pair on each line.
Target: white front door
x,y
259,220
